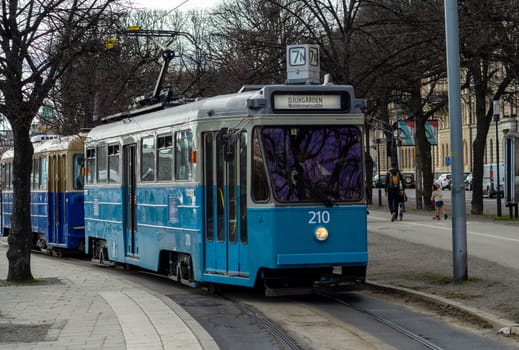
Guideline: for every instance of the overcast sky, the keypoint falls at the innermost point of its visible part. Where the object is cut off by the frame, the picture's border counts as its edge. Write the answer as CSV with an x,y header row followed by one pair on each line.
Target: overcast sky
x,y
172,4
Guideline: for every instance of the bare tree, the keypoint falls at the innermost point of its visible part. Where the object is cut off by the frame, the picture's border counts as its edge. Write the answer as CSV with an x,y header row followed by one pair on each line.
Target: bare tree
x,y
403,44
40,40
250,49
489,50
125,66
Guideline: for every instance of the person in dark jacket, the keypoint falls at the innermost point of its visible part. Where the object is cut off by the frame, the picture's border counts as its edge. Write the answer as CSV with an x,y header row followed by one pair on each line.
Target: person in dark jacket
x,y
394,188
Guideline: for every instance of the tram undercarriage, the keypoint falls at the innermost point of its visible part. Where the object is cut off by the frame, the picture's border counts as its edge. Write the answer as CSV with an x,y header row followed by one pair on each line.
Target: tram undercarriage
x,y
311,280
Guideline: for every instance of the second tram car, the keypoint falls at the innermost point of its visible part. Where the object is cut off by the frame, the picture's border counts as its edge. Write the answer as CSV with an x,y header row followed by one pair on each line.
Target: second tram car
x,y
260,188
57,214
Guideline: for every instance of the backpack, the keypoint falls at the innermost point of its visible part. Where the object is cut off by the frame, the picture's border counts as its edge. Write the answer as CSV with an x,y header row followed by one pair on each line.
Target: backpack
x,y
394,180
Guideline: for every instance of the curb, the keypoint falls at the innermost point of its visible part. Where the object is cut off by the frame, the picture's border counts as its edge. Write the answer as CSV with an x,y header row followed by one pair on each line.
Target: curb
x,y
501,325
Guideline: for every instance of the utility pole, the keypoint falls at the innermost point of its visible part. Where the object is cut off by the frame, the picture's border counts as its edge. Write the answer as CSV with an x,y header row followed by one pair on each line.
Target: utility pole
x,y
459,222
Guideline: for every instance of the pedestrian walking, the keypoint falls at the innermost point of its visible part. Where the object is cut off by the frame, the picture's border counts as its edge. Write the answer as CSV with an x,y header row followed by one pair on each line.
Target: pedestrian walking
x,y
394,188
437,201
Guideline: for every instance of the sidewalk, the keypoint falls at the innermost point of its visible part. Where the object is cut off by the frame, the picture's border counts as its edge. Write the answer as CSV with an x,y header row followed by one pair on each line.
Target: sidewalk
x,y
397,260
489,210
69,309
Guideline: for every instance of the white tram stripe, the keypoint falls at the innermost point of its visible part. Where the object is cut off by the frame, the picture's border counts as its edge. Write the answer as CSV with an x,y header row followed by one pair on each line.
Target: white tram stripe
x,y
148,323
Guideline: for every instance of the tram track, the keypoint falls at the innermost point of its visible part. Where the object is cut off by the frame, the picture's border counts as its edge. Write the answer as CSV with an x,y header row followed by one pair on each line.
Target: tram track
x,y
285,336
277,332
388,323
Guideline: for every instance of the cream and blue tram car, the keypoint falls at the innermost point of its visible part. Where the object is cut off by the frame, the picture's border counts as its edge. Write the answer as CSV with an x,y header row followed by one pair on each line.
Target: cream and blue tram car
x,y
56,206
263,187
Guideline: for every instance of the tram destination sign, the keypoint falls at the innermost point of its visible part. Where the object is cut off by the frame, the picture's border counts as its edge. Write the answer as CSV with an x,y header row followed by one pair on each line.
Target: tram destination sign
x,y
294,102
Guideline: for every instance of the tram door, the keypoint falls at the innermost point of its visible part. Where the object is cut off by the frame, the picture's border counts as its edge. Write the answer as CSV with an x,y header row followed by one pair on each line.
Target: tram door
x,y
57,197
225,202
130,201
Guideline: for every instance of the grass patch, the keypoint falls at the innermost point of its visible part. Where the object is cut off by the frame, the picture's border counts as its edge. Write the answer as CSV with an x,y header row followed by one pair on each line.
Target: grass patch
x,y
462,296
436,278
6,283
506,218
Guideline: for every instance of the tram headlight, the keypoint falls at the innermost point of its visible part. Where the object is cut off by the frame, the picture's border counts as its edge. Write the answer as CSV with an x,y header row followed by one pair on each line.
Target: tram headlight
x,y
321,233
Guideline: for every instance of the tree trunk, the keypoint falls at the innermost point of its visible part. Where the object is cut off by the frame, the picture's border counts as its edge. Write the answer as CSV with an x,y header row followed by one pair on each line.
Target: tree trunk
x,y
422,149
477,173
424,161
478,71
20,237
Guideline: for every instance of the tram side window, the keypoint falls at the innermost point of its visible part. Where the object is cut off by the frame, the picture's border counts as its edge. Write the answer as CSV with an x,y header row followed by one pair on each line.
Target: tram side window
x,y
165,157
77,167
102,174
148,159
232,200
209,185
243,188
90,165
10,182
260,189
220,187
44,173
35,173
2,175
183,148
114,175
8,175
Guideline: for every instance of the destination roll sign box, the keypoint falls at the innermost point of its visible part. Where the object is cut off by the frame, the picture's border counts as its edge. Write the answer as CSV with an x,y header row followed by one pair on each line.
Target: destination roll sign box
x,y
307,102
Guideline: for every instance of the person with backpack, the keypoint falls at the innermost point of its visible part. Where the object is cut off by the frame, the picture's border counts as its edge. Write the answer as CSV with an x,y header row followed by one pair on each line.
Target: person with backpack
x,y
394,187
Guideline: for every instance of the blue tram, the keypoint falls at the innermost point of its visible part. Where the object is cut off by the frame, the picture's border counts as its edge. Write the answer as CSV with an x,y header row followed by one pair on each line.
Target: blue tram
x,y
57,214
264,187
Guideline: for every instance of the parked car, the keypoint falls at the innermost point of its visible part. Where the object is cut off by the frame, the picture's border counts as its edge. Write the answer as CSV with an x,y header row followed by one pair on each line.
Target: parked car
x,y
444,180
379,183
490,179
408,180
468,182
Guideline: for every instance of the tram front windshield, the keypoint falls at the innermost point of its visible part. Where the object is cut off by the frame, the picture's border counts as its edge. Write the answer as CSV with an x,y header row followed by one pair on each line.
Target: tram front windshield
x,y
314,163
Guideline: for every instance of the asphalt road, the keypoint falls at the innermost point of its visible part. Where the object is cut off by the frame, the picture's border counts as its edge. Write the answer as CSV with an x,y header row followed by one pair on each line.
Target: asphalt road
x,y
486,239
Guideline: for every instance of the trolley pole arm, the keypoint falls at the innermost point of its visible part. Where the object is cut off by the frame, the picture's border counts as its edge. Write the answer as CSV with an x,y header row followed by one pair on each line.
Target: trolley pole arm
x,y
167,54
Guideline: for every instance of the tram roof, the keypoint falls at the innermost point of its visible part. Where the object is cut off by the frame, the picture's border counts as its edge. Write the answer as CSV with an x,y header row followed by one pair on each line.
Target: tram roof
x,y
61,143
257,101
233,105
56,144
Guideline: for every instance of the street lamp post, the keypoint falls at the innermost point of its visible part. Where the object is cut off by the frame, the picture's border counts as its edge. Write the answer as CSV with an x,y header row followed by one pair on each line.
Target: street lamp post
x,y
378,140
471,147
496,119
